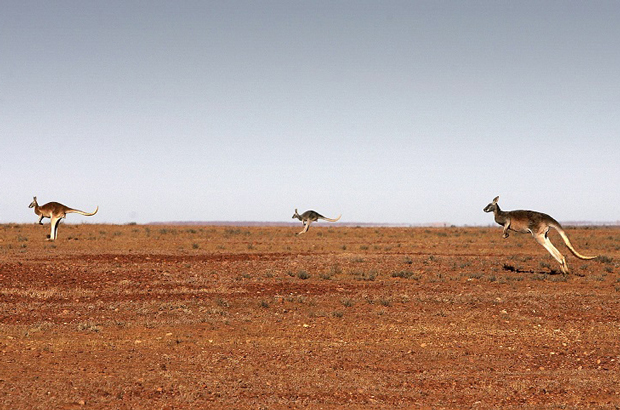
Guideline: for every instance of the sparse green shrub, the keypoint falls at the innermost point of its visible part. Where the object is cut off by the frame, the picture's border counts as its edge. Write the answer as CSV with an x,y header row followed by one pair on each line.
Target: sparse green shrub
x,y
385,302
367,276
89,326
347,302
325,275
335,269
437,278
475,275
405,274
236,231
222,302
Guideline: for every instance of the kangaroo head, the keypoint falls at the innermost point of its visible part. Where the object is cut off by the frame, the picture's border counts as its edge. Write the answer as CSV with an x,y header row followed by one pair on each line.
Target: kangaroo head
x,y
33,203
296,215
492,206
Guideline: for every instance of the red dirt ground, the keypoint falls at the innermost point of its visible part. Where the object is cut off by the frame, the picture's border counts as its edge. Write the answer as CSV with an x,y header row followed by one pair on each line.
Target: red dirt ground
x,y
143,317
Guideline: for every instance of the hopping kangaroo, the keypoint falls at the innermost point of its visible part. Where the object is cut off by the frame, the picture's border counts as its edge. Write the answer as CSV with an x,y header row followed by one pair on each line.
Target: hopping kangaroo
x,y
55,211
538,225
311,216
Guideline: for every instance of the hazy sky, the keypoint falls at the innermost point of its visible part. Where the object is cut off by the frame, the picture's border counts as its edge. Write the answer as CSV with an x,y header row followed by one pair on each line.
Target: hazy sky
x,y
384,111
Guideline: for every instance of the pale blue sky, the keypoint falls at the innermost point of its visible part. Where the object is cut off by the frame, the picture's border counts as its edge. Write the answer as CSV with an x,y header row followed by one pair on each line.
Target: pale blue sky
x,y
384,111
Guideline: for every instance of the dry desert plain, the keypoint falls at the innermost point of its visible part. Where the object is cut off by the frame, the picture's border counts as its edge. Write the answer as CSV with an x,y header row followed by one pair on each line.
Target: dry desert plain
x,y
156,317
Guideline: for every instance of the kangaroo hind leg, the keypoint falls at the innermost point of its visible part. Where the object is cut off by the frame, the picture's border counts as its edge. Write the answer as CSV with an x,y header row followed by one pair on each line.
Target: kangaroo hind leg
x,y
306,227
55,221
546,243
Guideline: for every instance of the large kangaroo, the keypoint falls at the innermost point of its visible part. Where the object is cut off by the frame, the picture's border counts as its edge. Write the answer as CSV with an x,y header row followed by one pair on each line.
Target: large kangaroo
x,y
538,225
55,211
311,216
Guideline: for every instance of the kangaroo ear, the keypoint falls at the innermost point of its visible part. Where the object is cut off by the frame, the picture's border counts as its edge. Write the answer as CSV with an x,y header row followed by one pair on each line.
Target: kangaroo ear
x,y
496,199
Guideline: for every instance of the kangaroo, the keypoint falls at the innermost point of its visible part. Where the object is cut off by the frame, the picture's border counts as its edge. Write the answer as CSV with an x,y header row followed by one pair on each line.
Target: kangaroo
x,y
55,211
311,216
538,225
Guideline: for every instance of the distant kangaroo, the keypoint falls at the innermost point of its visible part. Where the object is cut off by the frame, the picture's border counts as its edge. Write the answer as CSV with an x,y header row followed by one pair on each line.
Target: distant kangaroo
x,y
55,211
311,216
538,225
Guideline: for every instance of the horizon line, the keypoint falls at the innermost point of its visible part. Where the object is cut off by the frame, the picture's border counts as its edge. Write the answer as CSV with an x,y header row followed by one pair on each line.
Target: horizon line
x,y
363,224
340,224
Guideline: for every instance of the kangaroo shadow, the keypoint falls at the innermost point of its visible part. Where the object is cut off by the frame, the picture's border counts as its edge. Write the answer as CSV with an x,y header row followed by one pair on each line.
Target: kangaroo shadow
x,y
511,268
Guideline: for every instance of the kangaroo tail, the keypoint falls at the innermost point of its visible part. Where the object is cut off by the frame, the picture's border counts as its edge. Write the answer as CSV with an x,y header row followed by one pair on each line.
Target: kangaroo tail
x,y
332,219
569,245
77,211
